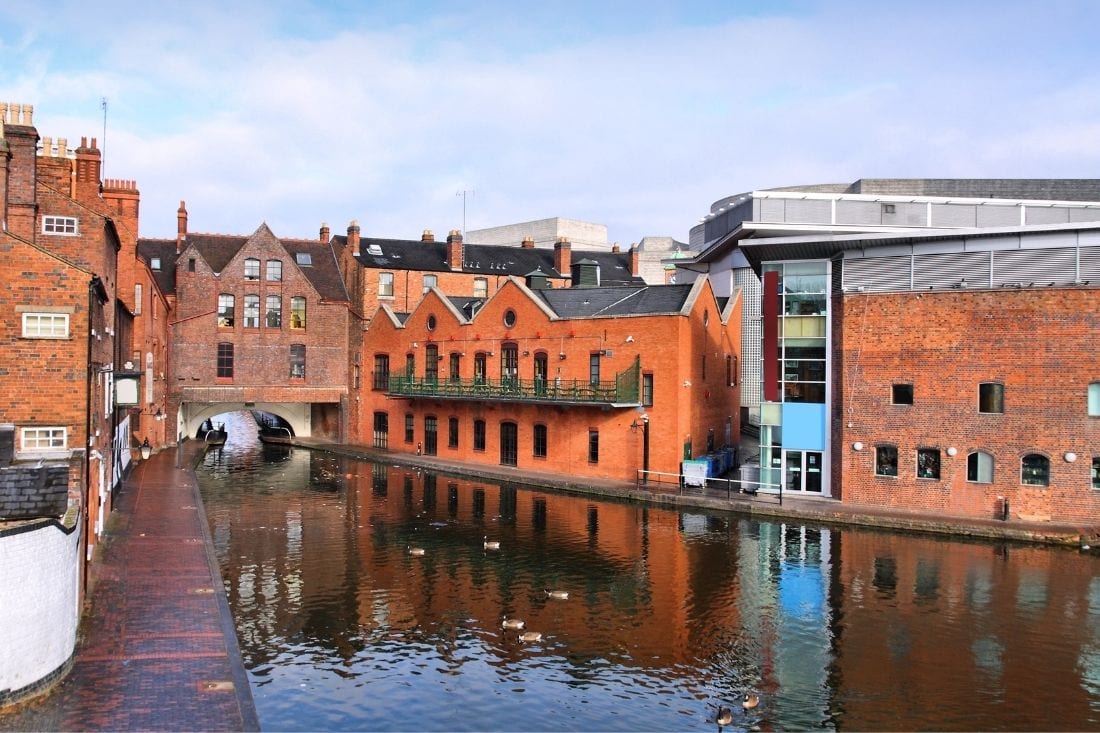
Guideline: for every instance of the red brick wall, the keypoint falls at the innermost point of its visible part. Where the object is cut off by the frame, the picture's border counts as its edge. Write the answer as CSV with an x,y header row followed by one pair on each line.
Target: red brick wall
x,y
1039,343
669,347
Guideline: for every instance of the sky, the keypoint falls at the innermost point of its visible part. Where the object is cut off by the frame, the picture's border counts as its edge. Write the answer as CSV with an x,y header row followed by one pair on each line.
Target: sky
x,y
637,115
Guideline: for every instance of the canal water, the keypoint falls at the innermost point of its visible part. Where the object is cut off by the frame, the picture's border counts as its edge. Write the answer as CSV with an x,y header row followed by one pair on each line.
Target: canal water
x,y
344,625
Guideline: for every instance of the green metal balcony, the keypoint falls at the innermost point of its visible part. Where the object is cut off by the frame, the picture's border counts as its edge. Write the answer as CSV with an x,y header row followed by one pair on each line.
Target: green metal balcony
x,y
624,391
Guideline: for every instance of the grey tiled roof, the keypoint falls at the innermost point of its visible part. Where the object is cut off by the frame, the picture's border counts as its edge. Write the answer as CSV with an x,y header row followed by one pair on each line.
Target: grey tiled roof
x,y
616,301
28,492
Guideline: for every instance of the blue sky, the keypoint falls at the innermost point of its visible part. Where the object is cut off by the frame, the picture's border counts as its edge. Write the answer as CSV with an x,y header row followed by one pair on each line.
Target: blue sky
x,y
636,115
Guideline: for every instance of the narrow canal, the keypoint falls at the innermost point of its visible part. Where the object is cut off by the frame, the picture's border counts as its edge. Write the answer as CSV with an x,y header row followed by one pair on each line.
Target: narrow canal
x,y
669,614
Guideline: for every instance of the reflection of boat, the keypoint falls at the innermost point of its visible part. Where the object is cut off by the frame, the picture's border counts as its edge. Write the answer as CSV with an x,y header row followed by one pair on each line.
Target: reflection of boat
x,y
275,434
215,435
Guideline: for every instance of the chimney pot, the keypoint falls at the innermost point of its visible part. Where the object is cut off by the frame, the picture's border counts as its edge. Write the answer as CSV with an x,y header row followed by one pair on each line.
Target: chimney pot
x,y
324,231
427,236
527,243
353,236
615,249
454,249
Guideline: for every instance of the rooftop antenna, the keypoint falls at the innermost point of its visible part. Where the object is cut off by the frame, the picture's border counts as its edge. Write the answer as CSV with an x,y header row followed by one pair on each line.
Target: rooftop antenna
x,y
103,150
463,194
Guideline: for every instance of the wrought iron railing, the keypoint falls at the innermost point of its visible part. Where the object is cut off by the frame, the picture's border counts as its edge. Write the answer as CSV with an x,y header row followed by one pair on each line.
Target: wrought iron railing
x,y
625,389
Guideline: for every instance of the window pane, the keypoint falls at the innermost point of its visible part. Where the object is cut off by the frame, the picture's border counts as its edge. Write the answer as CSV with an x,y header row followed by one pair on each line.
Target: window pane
x,y
593,446
430,282
886,460
45,325
479,435
297,312
251,269
225,360
540,441
647,390
274,270
252,309
979,468
297,361
928,463
385,284
991,397
903,394
226,305
481,287
274,313
1096,472
1094,399
1035,470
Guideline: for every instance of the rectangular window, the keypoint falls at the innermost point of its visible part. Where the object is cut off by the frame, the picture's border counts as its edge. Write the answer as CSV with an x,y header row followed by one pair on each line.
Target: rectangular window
x,y
274,271
297,361
431,363
41,439
382,371
1035,470
64,225
355,377
456,367
479,367
137,299
594,368
409,427
886,460
191,264
647,390
1094,399
154,264
226,306
274,312
410,365
540,441
991,397
902,394
430,282
297,312
385,284
225,361
381,430
479,435
251,311
1096,472
928,463
703,368
45,325
452,432
593,446
304,259
481,287
251,269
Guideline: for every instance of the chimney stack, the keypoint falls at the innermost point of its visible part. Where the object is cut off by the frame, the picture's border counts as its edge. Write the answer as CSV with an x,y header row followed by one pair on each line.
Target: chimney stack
x,y
427,236
527,243
181,226
454,249
89,167
635,260
562,250
18,170
324,233
615,249
353,237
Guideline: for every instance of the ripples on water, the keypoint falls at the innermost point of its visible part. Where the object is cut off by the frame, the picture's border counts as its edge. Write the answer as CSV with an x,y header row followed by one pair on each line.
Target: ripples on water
x,y
668,615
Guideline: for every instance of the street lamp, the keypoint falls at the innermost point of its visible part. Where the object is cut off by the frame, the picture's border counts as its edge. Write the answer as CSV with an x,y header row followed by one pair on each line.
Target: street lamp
x,y
146,450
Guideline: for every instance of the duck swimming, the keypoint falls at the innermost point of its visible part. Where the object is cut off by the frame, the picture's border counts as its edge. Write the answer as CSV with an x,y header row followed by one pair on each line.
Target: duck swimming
x,y
559,595
511,623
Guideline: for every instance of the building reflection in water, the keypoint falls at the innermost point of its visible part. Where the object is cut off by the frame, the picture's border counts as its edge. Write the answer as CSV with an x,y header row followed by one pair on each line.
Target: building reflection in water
x,y
834,628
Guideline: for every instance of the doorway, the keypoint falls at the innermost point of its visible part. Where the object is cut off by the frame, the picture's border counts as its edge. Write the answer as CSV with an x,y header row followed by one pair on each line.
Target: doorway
x,y
803,471
508,443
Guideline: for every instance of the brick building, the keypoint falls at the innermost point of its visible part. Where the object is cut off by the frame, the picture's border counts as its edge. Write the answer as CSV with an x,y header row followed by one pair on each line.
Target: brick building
x,y
65,439
259,322
585,380
945,371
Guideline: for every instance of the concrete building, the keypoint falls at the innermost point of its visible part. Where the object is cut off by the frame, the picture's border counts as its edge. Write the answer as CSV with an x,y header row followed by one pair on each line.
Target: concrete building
x,y
875,206
586,380
544,233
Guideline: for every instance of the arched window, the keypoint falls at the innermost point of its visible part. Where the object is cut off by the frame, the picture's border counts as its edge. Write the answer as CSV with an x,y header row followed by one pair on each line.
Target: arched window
x,y
274,271
251,269
1035,470
979,467
251,311
226,306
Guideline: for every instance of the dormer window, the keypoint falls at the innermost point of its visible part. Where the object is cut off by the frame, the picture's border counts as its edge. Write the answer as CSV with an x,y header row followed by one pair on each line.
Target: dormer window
x,y
304,259
63,225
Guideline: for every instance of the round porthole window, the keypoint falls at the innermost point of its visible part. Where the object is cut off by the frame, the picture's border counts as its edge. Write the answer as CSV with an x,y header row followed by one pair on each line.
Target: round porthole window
x,y
431,323
509,318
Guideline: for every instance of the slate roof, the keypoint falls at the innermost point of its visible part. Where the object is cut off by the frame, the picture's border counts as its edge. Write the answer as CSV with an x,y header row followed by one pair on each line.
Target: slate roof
x,y
31,491
616,301
485,259
219,249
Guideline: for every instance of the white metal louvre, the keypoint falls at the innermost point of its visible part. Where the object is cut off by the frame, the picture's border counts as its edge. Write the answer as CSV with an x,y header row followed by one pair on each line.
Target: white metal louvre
x,y
877,273
1034,265
1090,264
948,270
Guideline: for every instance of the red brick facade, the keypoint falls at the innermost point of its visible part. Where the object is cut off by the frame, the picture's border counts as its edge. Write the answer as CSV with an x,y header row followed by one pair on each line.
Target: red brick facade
x,y
669,347
1038,343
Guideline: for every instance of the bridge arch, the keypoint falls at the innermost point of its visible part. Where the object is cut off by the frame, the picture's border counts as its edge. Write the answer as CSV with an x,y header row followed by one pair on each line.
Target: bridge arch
x,y
193,414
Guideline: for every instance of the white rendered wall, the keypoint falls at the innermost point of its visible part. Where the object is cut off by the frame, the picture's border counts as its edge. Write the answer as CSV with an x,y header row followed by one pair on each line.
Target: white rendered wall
x,y
39,612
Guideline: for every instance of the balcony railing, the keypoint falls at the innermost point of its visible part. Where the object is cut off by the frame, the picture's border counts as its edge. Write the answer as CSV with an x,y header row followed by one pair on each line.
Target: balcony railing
x,y
624,390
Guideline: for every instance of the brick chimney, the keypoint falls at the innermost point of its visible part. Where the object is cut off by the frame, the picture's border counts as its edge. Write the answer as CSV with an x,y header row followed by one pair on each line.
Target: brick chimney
x,y
454,249
635,259
324,233
353,237
124,198
427,236
616,249
562,250
527,243
181,226
89,166
19,169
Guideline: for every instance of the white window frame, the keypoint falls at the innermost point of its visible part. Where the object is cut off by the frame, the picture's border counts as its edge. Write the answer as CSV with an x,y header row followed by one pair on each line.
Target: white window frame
x,y
303,259
154,263
62,226
137,299
55,438
1094,399
38,333
434,282
251,263
481,287
385,284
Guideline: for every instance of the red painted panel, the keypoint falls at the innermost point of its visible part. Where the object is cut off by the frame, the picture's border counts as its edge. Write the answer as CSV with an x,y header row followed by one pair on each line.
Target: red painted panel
x,y
770,312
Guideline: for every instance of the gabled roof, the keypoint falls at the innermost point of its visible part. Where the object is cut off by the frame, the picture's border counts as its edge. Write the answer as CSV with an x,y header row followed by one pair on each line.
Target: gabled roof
x,y
616,301
484,259
218,250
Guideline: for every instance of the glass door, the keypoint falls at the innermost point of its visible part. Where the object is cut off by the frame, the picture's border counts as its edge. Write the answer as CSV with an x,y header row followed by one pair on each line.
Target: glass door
x,y
431,439
803,471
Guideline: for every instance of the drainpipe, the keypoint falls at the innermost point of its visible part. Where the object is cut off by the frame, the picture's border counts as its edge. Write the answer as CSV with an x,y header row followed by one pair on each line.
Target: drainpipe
x,y
93,285
645,449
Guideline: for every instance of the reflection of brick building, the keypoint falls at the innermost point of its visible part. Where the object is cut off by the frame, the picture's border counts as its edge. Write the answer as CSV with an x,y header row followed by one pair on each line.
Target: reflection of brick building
x,y
599,381
259,321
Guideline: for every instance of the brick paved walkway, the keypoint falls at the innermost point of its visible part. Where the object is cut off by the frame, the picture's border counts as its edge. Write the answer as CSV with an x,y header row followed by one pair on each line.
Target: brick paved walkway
x,y
158,650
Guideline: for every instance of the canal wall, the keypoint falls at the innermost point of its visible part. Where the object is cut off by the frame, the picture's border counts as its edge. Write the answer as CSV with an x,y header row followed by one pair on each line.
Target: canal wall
x,y
767,506
40,578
